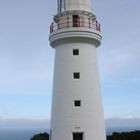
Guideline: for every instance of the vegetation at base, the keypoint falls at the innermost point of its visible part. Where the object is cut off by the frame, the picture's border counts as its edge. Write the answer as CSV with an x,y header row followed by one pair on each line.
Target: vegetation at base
x,y
41,136
134,135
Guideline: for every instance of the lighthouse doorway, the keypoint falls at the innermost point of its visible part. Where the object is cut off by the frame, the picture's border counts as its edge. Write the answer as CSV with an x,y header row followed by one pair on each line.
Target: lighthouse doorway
x,y
75,21
77,136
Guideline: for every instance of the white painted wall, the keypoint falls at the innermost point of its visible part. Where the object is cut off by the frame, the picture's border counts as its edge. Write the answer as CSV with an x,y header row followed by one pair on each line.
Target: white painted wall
x,y
83,5
65,117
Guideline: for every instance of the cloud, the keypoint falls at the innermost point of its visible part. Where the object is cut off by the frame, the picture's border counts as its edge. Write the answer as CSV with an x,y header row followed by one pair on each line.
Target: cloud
x,y
26,69
26,59
119,66
127,122
24,124
119,61
114,122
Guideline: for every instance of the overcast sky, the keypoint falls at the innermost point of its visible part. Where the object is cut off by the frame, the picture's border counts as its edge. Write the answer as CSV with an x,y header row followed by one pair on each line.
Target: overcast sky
x,y
27,60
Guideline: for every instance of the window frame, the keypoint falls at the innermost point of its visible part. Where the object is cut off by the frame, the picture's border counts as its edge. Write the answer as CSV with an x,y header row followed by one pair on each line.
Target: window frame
x,y
77,103
74,133
76,75
75,52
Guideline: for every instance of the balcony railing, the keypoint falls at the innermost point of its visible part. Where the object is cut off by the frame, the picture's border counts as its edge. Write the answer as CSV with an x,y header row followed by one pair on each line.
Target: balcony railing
x,y
79,22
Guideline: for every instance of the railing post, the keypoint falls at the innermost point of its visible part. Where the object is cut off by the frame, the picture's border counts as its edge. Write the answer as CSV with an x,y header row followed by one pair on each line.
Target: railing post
x,y
89,23
78,21
97,25
51,28
58,25
67,22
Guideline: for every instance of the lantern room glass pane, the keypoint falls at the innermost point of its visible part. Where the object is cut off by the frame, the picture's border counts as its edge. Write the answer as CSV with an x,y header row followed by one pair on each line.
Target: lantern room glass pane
x,y
61,6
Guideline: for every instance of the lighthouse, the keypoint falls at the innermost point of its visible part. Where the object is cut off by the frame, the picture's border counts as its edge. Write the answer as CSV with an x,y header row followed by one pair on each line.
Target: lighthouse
x,y
77,112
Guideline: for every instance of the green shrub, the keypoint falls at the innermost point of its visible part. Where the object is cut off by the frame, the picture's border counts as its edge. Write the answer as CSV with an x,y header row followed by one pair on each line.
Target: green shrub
x,y
41,136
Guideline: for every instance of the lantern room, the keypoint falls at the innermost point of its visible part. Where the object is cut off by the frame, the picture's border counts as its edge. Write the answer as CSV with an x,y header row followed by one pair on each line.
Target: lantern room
x,y
69,5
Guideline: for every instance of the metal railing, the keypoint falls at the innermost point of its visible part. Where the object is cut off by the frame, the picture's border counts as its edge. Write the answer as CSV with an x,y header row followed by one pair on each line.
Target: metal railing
x,y
80,22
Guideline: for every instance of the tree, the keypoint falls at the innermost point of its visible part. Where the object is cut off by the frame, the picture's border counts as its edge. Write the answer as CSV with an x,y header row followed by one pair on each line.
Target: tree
x,y
134,135
41,136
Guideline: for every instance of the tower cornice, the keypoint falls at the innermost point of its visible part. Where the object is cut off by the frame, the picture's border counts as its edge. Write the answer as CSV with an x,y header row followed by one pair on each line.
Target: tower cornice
x,y
81,34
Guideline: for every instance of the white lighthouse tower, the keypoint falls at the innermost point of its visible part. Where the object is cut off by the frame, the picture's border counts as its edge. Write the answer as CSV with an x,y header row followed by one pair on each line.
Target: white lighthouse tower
x,y
76,105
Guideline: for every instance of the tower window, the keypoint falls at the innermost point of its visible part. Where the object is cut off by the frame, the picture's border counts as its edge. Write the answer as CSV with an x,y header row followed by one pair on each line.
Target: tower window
x,y
75,51
77,103
76,75
77,136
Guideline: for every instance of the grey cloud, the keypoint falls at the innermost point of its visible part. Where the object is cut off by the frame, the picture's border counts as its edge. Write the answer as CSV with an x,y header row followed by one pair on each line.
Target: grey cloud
x,y
123,123
113,122
24,124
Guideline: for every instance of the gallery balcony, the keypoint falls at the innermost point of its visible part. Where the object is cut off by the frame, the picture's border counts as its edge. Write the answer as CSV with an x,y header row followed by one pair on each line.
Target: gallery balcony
x,y
67,29
66,23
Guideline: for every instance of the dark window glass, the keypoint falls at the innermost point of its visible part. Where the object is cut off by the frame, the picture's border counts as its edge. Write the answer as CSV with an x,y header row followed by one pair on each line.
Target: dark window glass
x,y
77,103
75,52
76,75
77,136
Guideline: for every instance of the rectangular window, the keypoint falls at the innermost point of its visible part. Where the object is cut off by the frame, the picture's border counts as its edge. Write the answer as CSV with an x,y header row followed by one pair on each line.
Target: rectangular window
x,y
76,75
77,103
77,136
75,51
